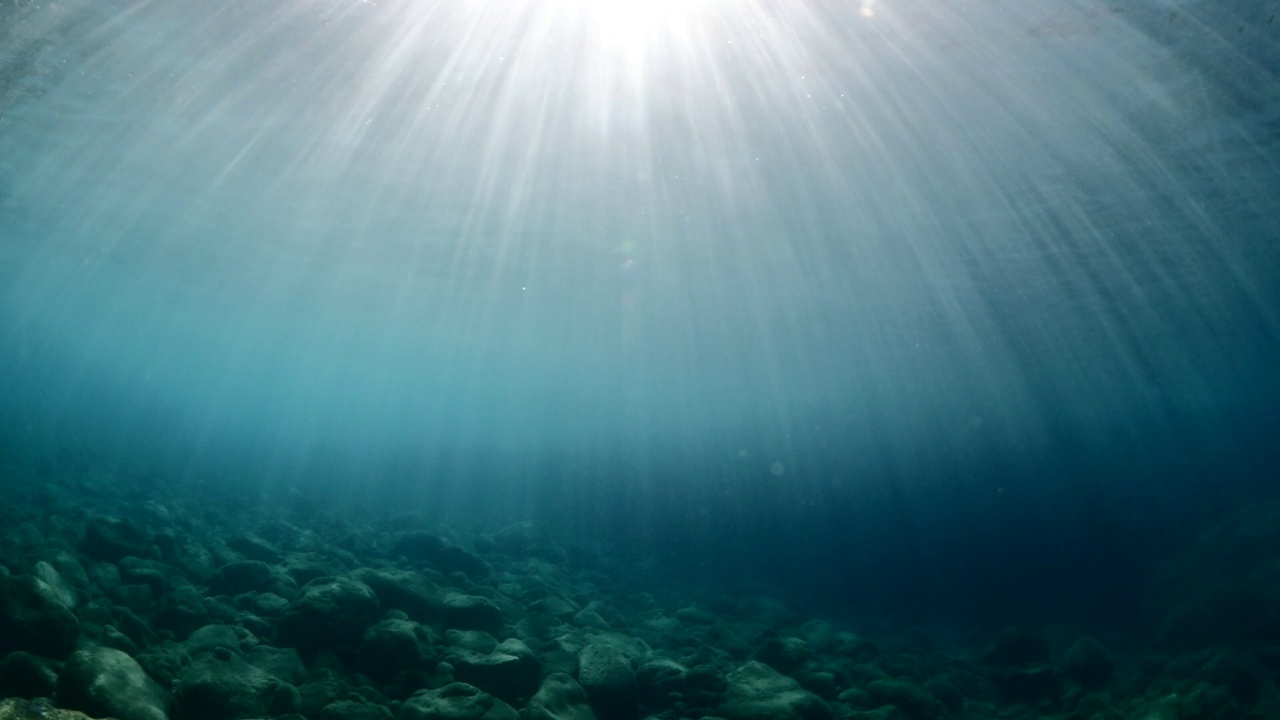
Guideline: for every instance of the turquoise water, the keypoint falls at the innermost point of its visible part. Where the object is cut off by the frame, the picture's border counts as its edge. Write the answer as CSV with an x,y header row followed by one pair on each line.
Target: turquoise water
x,y
978,283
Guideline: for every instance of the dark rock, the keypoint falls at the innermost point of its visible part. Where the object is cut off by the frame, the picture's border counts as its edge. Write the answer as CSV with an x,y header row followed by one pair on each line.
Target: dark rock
x,y
469,612
784,654
111,539
1088,663
210,638
910,697
1031,684
105,682
224,687
1238,673
393,646
240,577
758,692
255,548
283,663
560,698
33,619
1018,648
510,672
404,590
181,611
164,662
659,679
330,612
440,553
354,710
24,675
455,701
609,680
140,571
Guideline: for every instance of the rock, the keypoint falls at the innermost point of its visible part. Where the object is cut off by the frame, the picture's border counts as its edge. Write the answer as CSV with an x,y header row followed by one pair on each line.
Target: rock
x,y
440,553
112,539
330,612
240,577
354,710
758,692
181,611
784,654
33,619
1017,648
255,548
1031,684
473,640
455,701
1088,663
105,682
660,678
15,709
609,680
283,663
224,687
62,590
469,612
23,675
590,619
509,672
393,646
560,698
404,590
211,637
910,697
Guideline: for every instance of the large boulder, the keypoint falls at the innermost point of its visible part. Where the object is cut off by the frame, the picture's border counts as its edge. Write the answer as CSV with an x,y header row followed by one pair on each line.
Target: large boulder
x,y
112,539
560,698
393,646
330,612
411,592
105,682
758,692
608,678
24,675
510,671
32,618
221,686
456,701
470,612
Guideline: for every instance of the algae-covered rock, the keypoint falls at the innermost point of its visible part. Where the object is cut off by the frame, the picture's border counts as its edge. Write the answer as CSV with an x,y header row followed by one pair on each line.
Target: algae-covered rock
x,y
24,675
392,646
758,692
221,686
111,539
608,678
455,701
17,709
1088,663
330,611
560,698
33,619
106,682
470,612
913,699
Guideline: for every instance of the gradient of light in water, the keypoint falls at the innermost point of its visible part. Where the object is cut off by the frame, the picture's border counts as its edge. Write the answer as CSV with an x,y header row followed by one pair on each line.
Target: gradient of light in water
x,y
912,233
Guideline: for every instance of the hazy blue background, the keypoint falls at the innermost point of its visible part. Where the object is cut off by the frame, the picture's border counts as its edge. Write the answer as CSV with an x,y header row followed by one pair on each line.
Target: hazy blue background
x,y
964,309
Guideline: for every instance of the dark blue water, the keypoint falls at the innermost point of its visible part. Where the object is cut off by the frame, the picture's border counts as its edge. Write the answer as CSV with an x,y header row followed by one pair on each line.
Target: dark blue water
x,y
957,312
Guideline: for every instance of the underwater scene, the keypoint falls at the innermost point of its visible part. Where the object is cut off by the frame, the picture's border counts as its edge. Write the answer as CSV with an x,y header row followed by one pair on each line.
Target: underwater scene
x,y
640,359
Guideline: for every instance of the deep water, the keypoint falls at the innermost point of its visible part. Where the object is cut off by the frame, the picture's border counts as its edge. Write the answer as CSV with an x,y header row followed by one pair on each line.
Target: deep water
x,y
925,319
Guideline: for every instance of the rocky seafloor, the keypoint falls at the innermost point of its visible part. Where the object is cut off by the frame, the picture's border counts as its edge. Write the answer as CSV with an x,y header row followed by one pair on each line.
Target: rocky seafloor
x,y
136,608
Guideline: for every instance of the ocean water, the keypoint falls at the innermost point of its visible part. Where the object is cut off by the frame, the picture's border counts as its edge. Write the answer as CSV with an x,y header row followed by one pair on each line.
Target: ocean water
x,y
964,313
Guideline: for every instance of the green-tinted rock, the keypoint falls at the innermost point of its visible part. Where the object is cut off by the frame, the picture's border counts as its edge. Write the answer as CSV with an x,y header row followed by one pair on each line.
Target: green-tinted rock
x,y
23,675
456,701
106,682
330,612
1088,663
560,698
33,619
224,687
758,692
